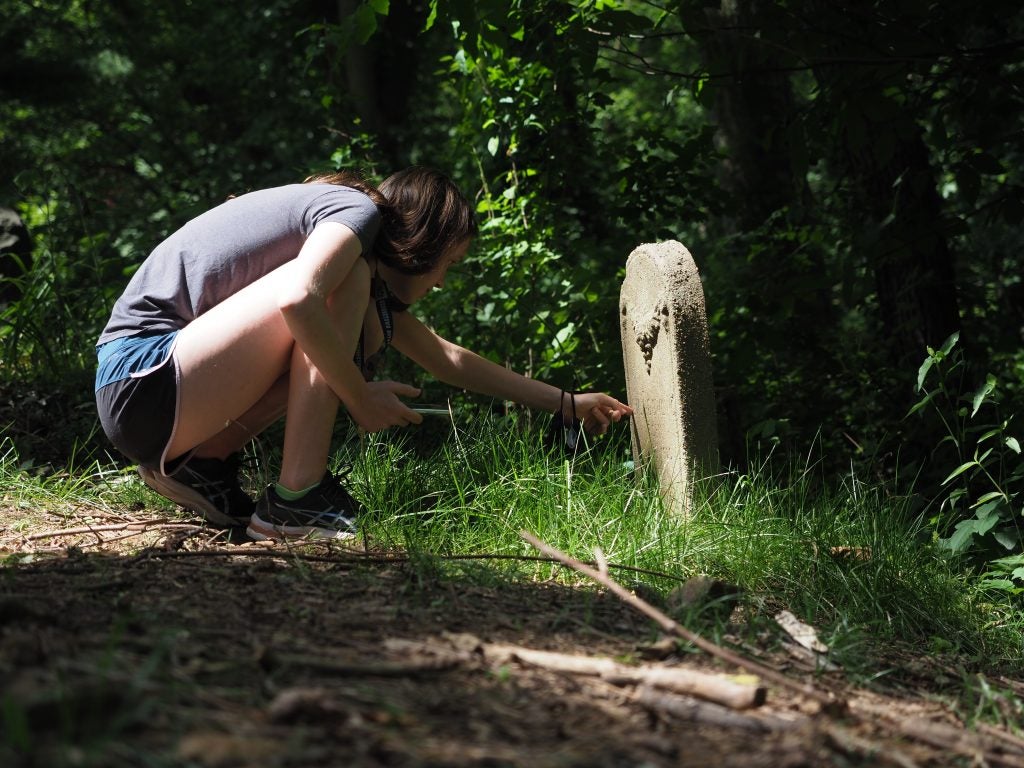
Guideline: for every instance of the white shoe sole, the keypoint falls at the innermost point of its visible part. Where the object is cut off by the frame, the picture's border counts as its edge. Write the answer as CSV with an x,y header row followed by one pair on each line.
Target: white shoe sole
x,y
260,530
187,498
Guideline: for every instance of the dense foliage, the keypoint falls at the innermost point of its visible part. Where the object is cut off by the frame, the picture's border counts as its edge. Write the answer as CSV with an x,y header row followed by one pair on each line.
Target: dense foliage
x,y
846,176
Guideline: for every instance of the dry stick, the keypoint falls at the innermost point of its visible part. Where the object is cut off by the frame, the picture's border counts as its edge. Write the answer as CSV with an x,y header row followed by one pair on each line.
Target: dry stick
x,y
1012,739
951,738
677,629
731,693
693,710
857,746
123,536
280,554
369,557
140,525
361,668
926,732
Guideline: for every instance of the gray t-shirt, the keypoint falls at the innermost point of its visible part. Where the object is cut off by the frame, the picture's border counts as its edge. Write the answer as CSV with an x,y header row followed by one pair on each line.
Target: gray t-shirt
x,y
225,249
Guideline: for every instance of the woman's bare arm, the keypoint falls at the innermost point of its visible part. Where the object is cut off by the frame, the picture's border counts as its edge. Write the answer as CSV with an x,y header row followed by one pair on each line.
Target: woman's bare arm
x,y
462,368
323,301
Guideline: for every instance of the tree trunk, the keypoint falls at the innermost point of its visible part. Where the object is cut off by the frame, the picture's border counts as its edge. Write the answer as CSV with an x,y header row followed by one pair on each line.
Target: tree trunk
x,y
760,131
891,196
894,191
380,75
755,111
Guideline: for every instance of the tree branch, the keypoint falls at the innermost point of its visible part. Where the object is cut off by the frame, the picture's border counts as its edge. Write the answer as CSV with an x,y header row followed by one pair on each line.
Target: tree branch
x,y
671,626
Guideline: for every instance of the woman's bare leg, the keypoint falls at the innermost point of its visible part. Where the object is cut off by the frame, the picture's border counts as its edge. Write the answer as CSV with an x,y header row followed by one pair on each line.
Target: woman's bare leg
x,y
312,404
233,361
308,426
245,428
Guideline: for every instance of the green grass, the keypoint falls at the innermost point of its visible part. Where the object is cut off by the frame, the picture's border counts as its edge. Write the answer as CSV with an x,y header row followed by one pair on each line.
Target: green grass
x,y
458,507
772,533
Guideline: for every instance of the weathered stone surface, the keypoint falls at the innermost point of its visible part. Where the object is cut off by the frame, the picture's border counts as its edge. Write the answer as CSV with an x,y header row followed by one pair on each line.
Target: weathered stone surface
x,y
668,368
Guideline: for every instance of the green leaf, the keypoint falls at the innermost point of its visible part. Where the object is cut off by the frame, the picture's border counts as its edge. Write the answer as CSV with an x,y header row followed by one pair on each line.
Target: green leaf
x,y
983,525
989,433
948,344
432,17
923,371
985,510
380,6
1013,445
960,470
983,392
921,403
492,145
1007,537
961,538
1004,564
1004,584
365,23
988,497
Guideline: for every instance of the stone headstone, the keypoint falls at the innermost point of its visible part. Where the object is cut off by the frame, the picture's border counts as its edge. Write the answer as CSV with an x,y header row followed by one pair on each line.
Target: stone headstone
x,y
667,358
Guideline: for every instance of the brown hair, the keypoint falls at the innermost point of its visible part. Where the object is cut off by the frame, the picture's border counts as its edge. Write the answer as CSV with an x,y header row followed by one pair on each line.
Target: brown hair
x,y
423,216
350,179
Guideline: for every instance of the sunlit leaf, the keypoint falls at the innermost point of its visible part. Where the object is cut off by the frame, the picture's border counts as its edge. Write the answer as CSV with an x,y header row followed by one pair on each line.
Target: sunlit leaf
x,y
988,497
923,371
949,343
983,392
432,17
960,470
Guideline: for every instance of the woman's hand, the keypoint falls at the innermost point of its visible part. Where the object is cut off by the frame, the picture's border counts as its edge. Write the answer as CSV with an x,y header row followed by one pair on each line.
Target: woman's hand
x,y
381,408
596,410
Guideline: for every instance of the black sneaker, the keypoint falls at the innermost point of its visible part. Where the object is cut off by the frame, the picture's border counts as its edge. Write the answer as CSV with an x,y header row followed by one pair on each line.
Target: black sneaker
x,y
207,486
326,512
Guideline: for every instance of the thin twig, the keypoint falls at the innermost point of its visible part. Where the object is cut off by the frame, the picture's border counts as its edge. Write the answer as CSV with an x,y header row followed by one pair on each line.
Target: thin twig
x,y
1012,739
669,625
124,536
369,557
360,667
137,525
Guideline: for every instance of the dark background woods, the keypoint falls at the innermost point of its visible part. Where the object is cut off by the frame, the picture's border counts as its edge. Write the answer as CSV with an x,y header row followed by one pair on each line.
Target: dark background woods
x,y
846,176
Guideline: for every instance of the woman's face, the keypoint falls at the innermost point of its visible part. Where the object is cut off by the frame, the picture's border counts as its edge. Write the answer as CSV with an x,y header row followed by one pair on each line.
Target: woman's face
x,y
411,288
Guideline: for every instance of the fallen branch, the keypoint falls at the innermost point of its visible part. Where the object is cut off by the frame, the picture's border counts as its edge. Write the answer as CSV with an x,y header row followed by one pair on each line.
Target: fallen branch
x,y
694,711
359,668
139,526
720,689
1016,742
463,648
673,627
848,742
377,558
992,745
124,536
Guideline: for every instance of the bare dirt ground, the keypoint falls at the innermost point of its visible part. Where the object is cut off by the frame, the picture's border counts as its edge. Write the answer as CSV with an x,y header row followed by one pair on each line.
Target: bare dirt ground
x,y
152,643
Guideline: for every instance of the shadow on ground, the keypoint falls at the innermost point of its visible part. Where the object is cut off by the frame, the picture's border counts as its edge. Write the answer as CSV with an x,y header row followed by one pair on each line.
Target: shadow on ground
x,y
257,657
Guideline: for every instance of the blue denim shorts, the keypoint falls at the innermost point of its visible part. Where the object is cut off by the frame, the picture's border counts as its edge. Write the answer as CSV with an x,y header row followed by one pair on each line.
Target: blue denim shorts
x,y
137,395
